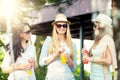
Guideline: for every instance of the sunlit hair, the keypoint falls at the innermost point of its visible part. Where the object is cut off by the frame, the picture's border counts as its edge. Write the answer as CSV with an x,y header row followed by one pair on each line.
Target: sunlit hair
x,y
16,31
55,43
104,29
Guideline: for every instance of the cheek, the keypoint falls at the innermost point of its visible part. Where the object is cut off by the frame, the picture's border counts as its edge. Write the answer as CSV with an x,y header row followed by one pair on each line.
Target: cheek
x,y
57,29
26,37
96,32
21,35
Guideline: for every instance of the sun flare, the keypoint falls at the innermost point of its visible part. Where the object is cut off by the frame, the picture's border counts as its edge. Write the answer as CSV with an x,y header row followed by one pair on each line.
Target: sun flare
x,y
8,7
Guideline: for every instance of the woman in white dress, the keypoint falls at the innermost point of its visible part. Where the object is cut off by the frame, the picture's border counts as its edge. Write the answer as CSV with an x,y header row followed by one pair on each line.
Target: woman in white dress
x,y
102,53
54,47
21,65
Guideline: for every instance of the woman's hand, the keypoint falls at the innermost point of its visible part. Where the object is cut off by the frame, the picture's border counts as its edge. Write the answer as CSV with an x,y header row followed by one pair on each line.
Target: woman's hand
x,y
69,60
24,66
84,51
60,51
86,58
53,56
67,57
15,67
31,61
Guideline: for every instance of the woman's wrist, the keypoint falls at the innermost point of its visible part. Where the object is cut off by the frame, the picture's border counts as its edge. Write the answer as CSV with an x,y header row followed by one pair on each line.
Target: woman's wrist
x,y
70,63
18,67
56,54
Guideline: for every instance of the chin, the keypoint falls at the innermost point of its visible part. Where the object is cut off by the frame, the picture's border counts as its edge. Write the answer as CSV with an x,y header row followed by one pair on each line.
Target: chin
x,y
62,33
96,33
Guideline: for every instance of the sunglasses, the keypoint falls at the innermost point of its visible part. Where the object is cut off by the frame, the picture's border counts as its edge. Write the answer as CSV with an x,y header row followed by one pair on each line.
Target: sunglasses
x,y
27,32
61,25
94,26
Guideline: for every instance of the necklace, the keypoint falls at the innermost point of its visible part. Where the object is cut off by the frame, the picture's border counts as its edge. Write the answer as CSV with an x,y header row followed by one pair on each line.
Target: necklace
x,y
62,44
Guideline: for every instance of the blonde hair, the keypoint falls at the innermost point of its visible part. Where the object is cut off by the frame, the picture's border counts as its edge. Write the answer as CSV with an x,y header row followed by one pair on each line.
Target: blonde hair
x,y
104,29
54,45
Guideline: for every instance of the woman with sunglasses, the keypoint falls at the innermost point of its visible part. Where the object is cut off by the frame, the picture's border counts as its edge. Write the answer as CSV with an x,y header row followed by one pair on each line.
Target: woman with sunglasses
x,y
21,63
102,53
59,52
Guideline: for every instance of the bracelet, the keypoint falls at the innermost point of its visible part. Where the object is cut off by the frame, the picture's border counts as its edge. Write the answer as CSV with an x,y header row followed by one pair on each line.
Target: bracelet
x,y
92,59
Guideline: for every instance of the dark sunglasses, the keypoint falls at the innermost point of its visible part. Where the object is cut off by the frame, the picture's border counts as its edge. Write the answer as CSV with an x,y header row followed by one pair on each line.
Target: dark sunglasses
x,y
61,25
27,32
94,26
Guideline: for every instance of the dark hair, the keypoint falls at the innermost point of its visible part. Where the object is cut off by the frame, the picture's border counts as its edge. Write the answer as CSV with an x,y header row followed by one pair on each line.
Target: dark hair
x,y
7,47
17,47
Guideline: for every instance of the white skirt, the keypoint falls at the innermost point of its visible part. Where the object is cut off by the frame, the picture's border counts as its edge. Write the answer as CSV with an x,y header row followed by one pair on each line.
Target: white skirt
x,y
59,71
21,75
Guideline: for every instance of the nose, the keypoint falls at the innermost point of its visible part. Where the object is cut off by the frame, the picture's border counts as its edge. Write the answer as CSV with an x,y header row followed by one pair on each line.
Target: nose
x,y
61,26
93,28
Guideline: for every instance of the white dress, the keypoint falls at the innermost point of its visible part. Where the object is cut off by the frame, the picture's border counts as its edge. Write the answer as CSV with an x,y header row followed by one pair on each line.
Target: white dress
x,y
21,74
56,70
97,70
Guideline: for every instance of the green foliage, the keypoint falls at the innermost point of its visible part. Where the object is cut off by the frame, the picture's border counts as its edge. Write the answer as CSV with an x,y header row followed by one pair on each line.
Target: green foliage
x,y
77,71
41,71
38,2
1,55
1,43
3,76
1,50
38,44
77,74
54,1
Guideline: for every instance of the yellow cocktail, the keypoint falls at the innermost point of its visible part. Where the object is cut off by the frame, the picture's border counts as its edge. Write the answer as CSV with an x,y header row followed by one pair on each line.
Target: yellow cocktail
x,y
63,59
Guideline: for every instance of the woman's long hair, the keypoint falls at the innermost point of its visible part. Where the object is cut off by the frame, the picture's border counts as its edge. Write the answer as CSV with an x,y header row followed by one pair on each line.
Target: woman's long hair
x,y
17,47
104,29
54,45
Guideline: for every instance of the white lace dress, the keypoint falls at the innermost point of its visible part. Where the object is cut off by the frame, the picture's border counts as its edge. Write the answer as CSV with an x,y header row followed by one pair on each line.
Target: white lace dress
x,y
20,74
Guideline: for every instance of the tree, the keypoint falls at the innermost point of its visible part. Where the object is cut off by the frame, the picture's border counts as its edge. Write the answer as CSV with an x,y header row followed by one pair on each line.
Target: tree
x,y
116,29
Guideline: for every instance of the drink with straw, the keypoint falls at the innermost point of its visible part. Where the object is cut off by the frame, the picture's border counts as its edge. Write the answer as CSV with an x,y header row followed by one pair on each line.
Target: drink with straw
x,y
85,53
62,56
67,51
63,59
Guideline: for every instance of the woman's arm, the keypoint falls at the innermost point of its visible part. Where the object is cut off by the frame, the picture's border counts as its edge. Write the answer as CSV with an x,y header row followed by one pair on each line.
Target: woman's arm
x,y
72,63
32,56
45,57
15,67
69,61
8,66
52,57
104,61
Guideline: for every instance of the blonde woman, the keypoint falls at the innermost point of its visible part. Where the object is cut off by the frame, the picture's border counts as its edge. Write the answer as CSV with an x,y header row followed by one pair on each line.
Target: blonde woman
x,y
102,53
54,47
